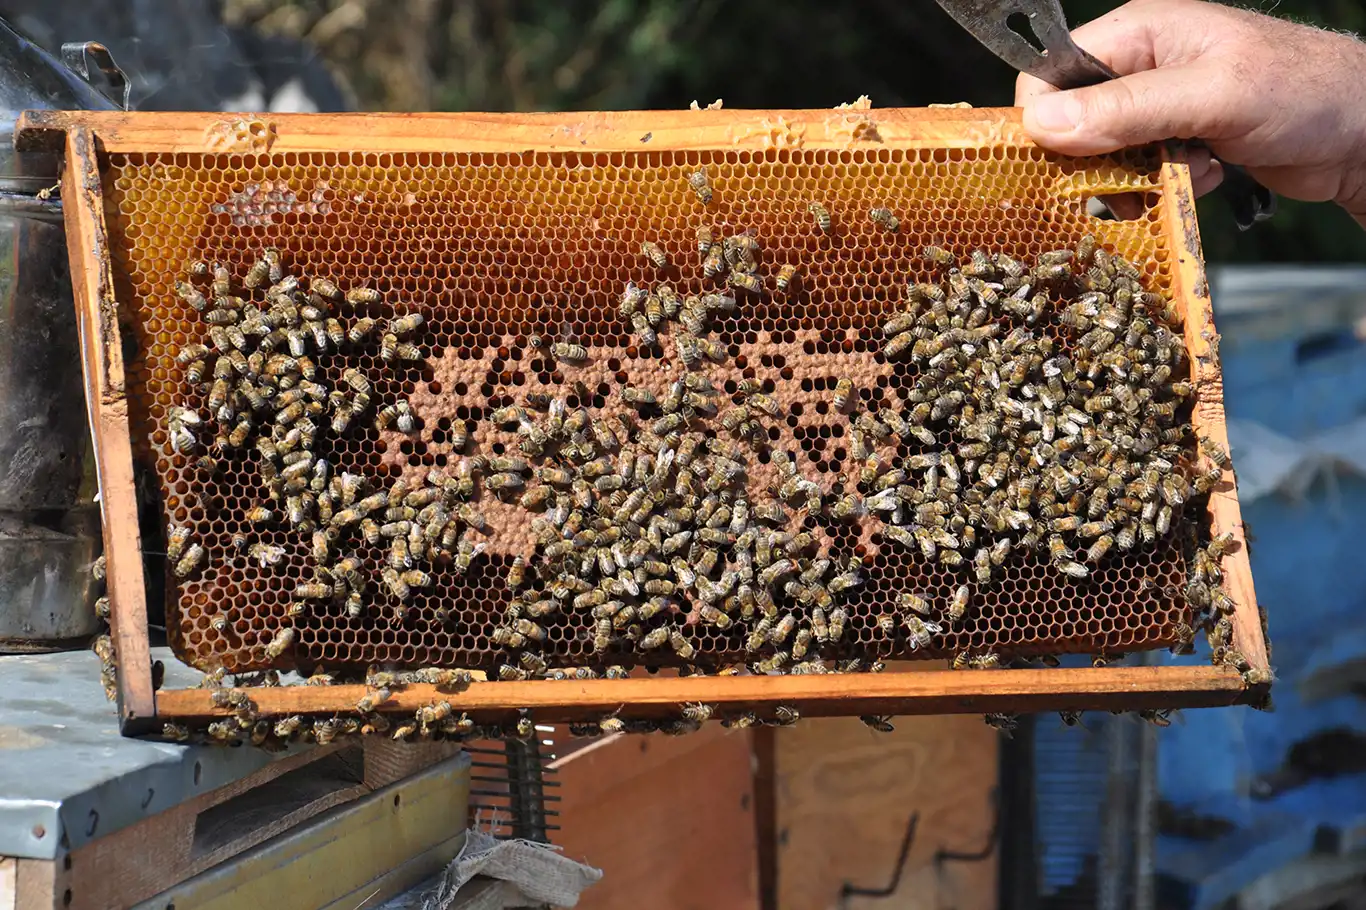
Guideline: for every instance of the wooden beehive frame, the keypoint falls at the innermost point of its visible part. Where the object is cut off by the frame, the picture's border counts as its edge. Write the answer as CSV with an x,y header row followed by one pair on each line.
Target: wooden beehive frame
x,y
84,137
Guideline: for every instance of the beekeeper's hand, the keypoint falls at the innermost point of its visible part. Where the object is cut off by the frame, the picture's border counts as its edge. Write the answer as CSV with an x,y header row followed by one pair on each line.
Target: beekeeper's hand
x,y
1286,101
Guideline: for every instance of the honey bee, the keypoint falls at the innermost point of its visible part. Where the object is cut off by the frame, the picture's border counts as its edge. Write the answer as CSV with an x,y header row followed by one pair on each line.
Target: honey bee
x,y
746,281
880,723
959,603
844,390
373,699
655,254
177,536
835,622
568,351
1004,724
706,239
714,263
194,556
221,316
320,546
223,731
191,295
443,679
1099,548
361,330
280,643
821,214
1214,451
1219,546
700,185
404,419
362,296
406,324
785,276
938,256
266,554
652,640
395,583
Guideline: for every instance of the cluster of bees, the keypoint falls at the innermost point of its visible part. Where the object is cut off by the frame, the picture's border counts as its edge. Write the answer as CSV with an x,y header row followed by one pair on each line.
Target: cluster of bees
x,y
646,518
266,392
1060,383
1070,434
103,644
438,719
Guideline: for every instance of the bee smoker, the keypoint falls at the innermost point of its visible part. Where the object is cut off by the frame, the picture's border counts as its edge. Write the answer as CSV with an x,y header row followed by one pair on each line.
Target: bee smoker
x,y
49,514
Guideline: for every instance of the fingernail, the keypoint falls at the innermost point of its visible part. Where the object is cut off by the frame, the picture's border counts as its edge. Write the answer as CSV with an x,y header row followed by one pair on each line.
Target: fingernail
x,y
1058,113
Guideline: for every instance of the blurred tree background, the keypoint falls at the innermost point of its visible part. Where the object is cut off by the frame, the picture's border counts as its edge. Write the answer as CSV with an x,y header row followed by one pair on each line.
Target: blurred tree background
x,y
525,55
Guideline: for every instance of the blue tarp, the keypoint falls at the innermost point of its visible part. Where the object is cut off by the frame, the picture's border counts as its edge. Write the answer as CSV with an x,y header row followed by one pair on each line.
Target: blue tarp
x,y
1309,567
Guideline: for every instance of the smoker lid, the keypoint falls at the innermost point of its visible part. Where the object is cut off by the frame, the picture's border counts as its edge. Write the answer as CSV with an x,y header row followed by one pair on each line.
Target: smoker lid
x,y
33,79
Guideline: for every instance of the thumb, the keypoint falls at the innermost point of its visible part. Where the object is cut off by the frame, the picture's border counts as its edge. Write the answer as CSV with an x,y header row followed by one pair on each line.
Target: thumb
x,y
1178,102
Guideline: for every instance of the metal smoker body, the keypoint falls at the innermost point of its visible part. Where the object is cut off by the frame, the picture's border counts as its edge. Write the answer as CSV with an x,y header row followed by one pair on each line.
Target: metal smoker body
x,y
49,516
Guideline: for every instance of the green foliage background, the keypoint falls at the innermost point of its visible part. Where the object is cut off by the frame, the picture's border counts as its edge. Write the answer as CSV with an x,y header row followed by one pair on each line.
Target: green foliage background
x,y
525,55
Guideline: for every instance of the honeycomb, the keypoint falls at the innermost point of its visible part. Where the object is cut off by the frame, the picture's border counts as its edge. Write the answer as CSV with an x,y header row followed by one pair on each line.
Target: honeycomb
x,y
504,254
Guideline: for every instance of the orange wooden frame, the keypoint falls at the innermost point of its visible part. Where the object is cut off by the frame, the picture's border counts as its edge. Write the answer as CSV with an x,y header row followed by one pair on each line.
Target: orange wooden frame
x,y
83,136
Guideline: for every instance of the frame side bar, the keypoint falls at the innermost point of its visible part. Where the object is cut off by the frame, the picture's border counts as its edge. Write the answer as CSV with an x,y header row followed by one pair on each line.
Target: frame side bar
x,y
1208,418
107,407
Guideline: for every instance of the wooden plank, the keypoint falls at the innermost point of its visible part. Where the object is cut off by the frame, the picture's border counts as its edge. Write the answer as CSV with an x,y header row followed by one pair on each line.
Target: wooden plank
x,y
38,885
931,692
511,134
1190,288
845,794
162,850
106,399
337,856
766,814
404,878
388,762
669,820
9,883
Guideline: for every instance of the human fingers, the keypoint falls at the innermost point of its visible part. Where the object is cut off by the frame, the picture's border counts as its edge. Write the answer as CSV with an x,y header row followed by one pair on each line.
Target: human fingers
x,y
1122,40
1207,181
1187,100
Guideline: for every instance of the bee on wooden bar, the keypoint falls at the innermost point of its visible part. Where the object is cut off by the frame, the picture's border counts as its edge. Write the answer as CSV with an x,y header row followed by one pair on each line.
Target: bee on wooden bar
x,y
373,699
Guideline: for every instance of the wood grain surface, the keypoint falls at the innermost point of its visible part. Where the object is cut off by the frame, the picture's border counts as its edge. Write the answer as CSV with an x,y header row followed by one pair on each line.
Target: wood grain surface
x,y
513,134
106,398
669,820
845,794
1191,292
928,692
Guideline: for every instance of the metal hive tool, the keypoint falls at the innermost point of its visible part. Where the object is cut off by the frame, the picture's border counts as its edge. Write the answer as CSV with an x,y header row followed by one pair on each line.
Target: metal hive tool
x,y
505,254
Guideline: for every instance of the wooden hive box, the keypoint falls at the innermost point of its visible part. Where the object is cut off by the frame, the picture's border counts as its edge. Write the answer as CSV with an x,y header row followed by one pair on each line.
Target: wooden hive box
x,y
513,233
